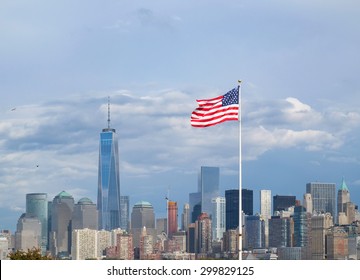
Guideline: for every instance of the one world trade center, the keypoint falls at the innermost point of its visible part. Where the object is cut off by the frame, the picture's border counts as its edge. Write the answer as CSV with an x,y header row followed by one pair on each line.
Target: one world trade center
x,y
108,200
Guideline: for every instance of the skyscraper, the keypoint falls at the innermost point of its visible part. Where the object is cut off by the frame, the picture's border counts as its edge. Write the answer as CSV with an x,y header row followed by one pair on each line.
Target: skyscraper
x,y
61,215
142,215
203,236
185,217
85,215
108,200
209,180
219,218
247,201
124,212
323,197
28,233
282,202
232,209
37,205
172,217
265,204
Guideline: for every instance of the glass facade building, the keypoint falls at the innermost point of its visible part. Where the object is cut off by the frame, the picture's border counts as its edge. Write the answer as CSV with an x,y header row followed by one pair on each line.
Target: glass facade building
x,y
37,206
323,197
232,209
108,199
209,181
124,212
282,202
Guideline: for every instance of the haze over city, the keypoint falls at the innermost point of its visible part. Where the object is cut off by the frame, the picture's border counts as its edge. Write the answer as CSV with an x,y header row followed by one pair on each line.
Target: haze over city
x,y
60,61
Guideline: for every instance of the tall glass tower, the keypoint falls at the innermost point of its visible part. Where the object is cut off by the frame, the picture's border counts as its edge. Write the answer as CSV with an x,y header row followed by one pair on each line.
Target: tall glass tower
x,y
37,205
108,200
209,179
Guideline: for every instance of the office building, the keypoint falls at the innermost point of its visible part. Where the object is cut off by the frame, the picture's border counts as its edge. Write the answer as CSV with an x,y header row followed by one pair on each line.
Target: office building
x,y
265,212
265,204
28,233
320,224
37,206
219,218
283,202
209,180
195,206
124,212
247,201
232,209
279,232
108,199
308,203
61,215
254,233
185,217
323,197
142,215
85,215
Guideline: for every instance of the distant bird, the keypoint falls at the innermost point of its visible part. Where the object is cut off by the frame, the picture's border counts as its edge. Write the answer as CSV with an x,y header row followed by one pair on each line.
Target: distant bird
x,y
13,109
37,165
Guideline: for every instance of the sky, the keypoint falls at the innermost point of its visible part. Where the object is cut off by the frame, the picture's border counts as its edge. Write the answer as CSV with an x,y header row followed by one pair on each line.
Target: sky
x,y
60,61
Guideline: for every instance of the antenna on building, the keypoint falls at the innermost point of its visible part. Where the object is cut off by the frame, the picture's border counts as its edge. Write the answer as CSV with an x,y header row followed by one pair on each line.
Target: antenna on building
x,y
108,120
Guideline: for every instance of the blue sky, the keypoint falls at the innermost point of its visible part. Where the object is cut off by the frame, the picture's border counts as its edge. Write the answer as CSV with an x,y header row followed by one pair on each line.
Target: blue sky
x,y
60,60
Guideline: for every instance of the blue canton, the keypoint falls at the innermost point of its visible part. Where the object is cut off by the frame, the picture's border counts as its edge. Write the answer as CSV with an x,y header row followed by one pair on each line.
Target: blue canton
x,y
232,97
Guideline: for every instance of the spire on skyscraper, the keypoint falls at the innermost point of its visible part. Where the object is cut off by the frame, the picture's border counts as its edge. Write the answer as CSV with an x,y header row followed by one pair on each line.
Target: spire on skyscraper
x,y
343,186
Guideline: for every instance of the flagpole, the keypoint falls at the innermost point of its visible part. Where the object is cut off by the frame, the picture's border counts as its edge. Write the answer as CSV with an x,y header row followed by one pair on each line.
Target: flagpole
x,y
240,177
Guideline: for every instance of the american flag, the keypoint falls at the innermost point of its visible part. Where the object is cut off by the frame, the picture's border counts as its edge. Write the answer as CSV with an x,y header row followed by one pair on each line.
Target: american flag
x,y
216,110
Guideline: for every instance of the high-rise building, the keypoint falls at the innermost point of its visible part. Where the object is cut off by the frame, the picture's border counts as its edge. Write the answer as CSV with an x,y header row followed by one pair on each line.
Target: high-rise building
x,y
37,206
254,232
265,204
283,202
302,231
161,226
195,206
308,203
346,209
4,247
185,217
279,232
219,218
125,247
343,197
61,214
124,212
84,244
142,215
320,224
85,215
265,212
191,241
209,180
247,201
323,197
337,243
28,233
108,199
203,230
232,206
232,209
172,218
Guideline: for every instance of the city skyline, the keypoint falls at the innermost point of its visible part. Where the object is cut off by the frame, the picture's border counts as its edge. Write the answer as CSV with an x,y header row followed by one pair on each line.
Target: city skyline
x,y
300,97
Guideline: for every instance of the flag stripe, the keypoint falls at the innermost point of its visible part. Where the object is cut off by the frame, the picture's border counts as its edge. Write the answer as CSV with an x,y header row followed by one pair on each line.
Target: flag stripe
x,y
216,110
